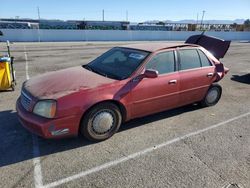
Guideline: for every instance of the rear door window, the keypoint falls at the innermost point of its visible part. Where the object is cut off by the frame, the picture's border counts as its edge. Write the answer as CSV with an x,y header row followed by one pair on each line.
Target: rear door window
x,y
163,62
189,59
204,60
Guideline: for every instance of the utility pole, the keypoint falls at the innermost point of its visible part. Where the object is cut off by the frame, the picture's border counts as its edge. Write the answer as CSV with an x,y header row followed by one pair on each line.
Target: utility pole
x,y
203,13
16,18
38,13
103,15
197,20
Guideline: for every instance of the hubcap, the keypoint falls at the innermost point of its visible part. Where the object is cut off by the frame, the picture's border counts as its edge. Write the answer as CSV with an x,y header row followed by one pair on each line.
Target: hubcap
x,y
102,122
212,95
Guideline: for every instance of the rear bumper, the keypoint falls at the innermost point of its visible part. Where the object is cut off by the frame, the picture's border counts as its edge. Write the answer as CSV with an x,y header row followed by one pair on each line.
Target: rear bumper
x,y
47,128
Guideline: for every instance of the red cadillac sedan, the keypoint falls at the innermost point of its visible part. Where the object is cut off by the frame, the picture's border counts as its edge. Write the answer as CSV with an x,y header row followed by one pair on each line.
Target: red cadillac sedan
x,y
124,83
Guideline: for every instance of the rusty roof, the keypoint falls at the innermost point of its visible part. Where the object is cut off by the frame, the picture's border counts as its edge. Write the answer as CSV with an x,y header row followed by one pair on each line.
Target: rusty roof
x,y
155,46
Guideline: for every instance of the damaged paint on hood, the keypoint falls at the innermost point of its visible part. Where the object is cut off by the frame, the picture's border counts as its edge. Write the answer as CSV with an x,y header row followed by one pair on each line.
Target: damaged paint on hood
x,y
56,84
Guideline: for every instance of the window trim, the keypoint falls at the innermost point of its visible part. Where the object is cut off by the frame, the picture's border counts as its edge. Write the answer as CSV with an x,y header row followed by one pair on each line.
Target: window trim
x,y
205,56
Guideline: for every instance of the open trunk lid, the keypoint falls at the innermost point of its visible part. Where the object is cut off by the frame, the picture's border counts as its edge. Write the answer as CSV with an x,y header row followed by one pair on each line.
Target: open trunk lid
x,y
216,46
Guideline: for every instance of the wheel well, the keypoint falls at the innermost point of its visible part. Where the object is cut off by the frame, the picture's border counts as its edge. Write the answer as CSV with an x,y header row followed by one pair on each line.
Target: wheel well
x,y
121,108
117,103
216,85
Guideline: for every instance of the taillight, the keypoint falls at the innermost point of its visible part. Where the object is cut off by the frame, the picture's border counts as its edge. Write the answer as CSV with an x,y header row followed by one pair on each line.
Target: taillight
x,y
221,71
226,70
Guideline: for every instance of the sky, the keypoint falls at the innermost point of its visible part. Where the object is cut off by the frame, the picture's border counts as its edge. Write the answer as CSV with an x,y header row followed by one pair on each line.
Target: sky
x,y
138,10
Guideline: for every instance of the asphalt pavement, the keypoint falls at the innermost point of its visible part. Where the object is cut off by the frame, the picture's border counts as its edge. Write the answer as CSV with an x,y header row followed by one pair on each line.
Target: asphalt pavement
x,y
185,147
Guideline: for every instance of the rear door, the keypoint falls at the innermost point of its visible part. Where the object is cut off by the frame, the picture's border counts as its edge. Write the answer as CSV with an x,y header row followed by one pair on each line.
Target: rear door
x,y
196,73
152,95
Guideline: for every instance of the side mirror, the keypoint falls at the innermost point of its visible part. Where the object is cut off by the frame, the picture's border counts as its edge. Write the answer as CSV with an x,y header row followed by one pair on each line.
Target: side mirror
x,y
150,73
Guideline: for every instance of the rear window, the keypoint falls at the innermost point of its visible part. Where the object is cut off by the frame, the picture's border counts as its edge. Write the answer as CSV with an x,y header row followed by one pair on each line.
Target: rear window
x,y
189,59
204,60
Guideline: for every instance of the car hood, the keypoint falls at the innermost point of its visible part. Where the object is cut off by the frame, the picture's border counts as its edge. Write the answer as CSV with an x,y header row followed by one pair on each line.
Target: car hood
x,y
56,84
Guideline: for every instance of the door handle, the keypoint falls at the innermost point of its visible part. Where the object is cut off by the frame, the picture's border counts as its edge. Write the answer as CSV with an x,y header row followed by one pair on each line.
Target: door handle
x,y
172,82
210,74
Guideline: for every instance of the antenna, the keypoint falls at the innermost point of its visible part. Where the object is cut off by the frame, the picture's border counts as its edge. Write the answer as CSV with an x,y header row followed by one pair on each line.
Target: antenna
x,y
126,15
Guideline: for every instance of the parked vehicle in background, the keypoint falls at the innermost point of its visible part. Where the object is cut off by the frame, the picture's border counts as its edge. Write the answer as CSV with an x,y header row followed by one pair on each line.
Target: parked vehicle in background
x,y
124,83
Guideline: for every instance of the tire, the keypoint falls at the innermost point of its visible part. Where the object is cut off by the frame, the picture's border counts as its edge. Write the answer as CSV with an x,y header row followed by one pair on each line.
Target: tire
x,y
213,95
101,122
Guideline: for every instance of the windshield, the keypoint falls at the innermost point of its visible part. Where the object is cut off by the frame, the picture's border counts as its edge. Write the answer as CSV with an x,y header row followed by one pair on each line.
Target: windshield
x,y
117,63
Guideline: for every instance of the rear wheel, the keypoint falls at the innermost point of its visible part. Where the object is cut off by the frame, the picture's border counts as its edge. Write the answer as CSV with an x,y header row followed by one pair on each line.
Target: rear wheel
x,y
101,122
213,96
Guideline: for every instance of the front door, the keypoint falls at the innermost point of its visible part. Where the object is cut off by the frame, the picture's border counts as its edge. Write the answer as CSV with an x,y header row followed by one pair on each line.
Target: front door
x,y
151,95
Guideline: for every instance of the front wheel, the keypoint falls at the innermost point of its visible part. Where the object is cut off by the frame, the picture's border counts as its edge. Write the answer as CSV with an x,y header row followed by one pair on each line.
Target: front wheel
x,y
213,96
101,122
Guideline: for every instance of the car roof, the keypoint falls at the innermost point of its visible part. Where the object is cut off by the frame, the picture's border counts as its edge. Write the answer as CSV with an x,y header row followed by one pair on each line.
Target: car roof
x,y
156,46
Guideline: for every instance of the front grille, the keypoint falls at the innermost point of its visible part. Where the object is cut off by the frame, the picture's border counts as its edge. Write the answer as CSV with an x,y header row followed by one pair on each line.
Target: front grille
x,y
26,101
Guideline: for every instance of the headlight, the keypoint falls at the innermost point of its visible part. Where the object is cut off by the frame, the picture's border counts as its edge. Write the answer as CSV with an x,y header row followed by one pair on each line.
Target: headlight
x,y
45,108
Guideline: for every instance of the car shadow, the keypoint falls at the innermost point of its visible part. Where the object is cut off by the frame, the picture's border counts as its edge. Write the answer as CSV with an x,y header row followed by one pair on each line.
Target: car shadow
x,y
17,144
158,116
242,78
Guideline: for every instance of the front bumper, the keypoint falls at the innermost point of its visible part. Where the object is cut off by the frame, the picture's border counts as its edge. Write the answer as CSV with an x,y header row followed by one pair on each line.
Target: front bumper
x,y
48,128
